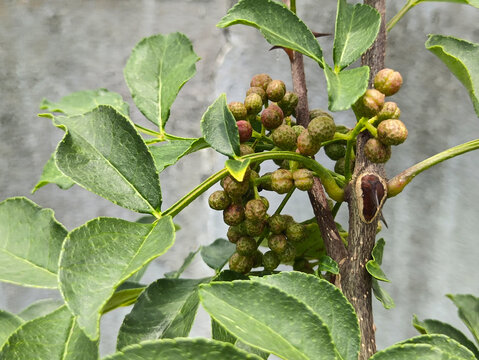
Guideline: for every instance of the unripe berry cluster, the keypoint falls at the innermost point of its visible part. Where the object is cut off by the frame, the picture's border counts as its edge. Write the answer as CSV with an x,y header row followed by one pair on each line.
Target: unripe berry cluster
x,y
383,115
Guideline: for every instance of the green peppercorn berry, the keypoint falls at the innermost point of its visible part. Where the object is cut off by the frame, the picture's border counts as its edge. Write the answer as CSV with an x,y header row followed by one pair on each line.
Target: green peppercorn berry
x,y
369,104
282,181
376,151
298,129
235,233
253,103
318,112
288,103
241,264
260,80
276,90
277,243
270,260
285,137
246,246
306,144
277,223
235,189
238,110
295,232
303,265
335,151
255,210
339,166
246,149
289,254
303,179
219,200
257,90
233,214
388,81
271,118
392,132
257,259
254,228
390,110
322,128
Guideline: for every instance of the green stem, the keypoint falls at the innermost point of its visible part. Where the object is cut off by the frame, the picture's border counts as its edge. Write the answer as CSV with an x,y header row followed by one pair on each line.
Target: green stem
x,y
409,5
149,132
399,182
285,200
293,6
336,207
333,190
372,130
349,147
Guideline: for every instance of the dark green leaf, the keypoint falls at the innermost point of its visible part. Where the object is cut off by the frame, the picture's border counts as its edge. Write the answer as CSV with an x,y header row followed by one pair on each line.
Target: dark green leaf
x,y
40,308
430,326
55,336
327,302
103,152
279,26
345,87
254,319
219,129
100,255
382,295
123,296
356,29
81,102
169,152
312,247
8,324
30,243
237,168
176,274
411,352
462,58
157,69
217,254
182,349
468,310
447,345
166,309
328,264
374,266
52,175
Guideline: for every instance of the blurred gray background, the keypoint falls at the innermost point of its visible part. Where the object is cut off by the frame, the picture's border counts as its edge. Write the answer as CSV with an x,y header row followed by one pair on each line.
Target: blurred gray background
x,y
52,48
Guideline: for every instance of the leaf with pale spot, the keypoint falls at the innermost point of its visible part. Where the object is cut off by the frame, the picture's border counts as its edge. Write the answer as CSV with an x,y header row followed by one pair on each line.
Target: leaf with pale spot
x,y
100,255
30,243
237,168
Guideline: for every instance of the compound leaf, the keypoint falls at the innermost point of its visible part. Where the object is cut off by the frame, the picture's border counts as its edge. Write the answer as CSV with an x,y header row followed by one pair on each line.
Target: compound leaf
x,y
100,255
182,349
411,352
447,345
382,295
40,308
216,254
279,26
52,175
254,319
8,324
30,243
169,152
55,336
103,152
81,102
462,58
468,310
328,264
356,29
219,129
345,87
157,69
237,168
327,302
125,295
374,266
166,309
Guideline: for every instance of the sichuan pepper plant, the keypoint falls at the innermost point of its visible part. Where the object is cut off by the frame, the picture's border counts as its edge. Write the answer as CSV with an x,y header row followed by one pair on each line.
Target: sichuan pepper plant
x,y
321,309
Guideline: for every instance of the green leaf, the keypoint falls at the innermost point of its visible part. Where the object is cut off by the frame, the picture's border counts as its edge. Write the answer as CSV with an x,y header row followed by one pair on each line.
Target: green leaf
x,y
169,152
312,247
166,309
447,345
254,319
356,29
219,129
217,254
52,175
474,3
411,352
237,168
327,302
157,69
382,295
30,243
279,26
176,274
345,87
328,264
462,59
8,324
103,152
431,326
374,266
55,336
40,308
81,102
123,296
468,310
100,255
182,349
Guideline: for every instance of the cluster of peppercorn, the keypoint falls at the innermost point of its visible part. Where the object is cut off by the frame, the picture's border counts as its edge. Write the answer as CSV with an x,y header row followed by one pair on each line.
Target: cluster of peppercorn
x,y
383,116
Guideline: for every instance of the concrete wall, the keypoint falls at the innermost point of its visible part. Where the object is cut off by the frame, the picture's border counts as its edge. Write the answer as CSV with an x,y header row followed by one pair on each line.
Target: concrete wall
x,y
51,48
